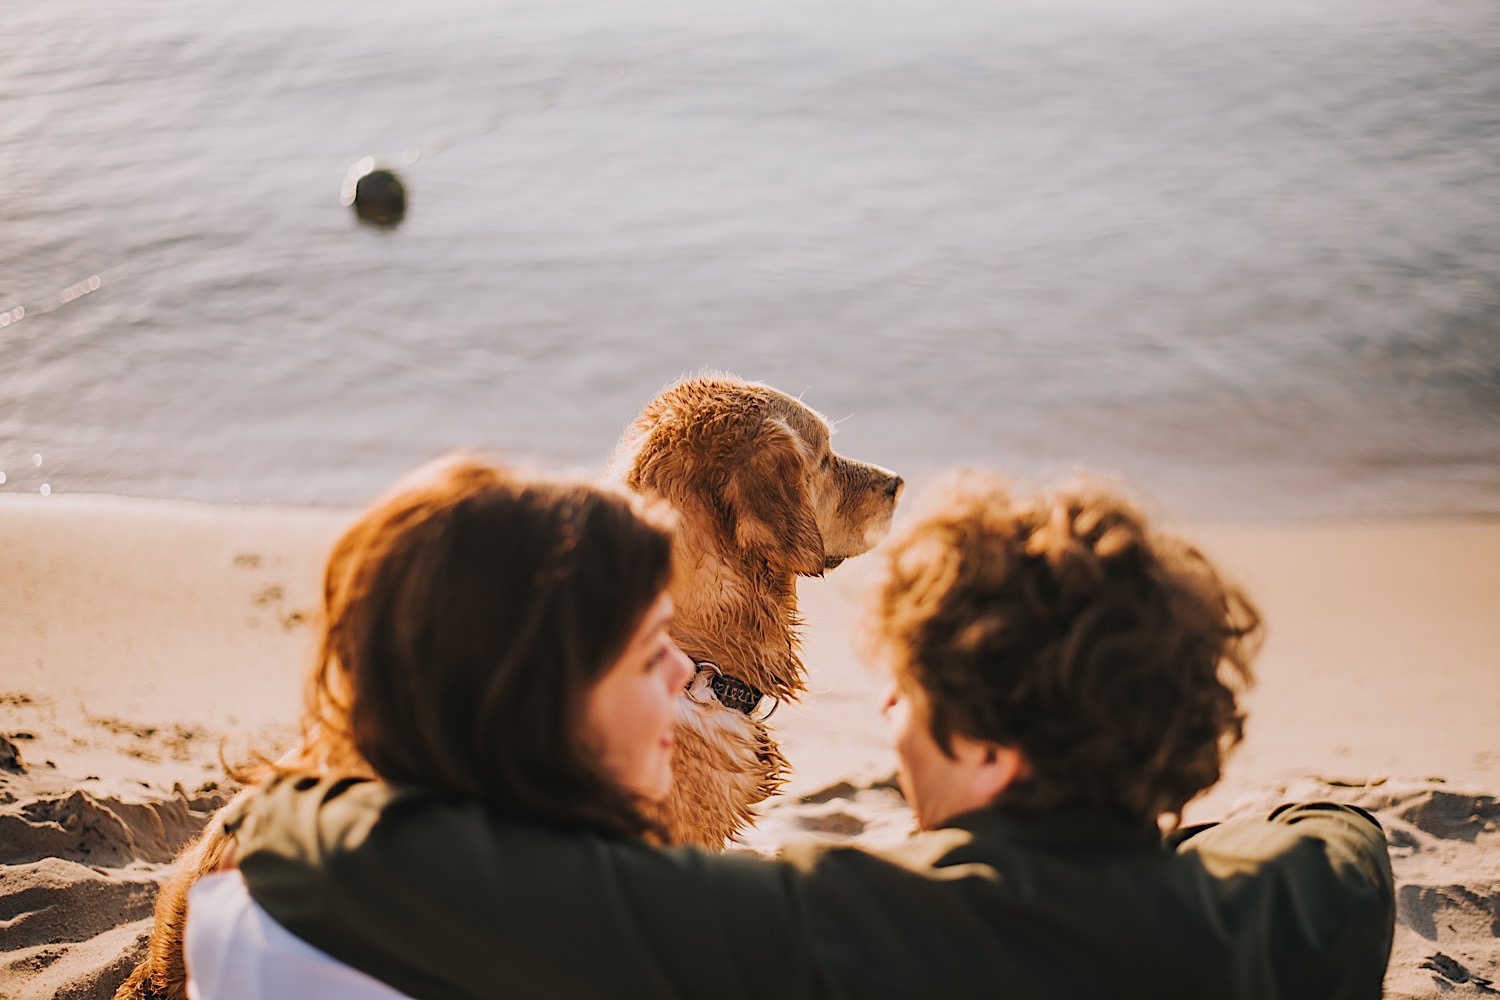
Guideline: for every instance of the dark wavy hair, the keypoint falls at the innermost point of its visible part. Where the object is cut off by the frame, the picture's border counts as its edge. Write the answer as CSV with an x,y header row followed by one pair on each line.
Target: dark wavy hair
x,y
1111,656
466,615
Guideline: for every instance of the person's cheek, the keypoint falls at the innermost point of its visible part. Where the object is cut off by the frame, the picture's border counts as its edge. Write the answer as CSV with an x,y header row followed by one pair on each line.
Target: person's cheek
x,y
685,669
895,711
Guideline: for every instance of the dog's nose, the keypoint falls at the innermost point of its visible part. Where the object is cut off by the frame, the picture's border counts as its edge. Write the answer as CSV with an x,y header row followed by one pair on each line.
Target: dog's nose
x,y
893,487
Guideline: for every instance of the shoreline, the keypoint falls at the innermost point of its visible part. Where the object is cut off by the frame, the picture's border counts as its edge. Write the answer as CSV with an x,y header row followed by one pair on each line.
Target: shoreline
x,y
176,610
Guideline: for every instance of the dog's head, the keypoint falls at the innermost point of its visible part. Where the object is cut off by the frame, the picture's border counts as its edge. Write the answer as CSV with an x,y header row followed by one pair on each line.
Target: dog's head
x,y
757,464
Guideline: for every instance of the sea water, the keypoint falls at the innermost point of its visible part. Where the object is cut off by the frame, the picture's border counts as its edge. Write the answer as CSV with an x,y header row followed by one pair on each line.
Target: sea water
x,y
1244,255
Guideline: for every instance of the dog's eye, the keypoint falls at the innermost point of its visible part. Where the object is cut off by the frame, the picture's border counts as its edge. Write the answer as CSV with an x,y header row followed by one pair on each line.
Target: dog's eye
x,y
825,463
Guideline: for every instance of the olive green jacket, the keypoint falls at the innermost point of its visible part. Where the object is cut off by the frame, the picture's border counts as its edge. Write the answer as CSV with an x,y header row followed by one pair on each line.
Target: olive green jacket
x,y
440,900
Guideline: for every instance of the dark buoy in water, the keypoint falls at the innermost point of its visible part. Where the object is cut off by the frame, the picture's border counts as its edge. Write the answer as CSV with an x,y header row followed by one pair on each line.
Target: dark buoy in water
x,y
380,198
377,196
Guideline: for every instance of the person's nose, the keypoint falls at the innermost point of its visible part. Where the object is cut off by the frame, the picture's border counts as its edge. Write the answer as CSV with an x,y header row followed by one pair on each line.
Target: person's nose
x,y
888,700
685,667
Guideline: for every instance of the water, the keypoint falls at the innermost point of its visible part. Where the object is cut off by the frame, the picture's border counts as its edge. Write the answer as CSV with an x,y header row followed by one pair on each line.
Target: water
x,y
1245,255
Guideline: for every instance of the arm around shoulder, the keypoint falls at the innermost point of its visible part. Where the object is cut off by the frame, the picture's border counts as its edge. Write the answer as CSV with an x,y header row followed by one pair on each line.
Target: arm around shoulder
x,y
1316,879
438,898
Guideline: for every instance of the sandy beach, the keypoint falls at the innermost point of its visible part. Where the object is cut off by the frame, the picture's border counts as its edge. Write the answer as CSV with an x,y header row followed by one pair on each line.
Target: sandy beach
x,y
138,635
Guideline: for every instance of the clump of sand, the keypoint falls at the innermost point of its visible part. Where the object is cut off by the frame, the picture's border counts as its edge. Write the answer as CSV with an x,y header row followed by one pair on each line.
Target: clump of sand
x,y
81,857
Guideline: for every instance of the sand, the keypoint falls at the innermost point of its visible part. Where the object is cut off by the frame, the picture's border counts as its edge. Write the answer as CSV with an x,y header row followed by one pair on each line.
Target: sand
x,y
135,636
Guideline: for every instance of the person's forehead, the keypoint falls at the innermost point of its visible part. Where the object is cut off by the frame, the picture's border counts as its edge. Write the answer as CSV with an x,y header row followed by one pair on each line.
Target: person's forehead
x,y
657,618
660,610
659,615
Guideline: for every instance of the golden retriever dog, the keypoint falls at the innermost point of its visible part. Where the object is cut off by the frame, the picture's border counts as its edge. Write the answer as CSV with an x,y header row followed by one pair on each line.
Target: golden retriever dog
x,y
761,499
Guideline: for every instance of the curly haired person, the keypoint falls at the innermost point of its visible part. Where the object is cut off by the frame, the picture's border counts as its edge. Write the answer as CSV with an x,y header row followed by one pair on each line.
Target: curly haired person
x,y
1065,680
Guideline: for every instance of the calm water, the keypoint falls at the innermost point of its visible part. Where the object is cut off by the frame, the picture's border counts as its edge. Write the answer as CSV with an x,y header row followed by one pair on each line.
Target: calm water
x,y
1246,254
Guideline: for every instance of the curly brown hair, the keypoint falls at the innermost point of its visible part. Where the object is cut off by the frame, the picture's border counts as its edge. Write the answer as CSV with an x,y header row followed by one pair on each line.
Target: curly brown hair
x,y
1111,656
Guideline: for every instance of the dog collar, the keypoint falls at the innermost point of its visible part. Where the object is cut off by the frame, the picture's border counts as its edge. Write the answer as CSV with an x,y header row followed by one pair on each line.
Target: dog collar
x,y
732,692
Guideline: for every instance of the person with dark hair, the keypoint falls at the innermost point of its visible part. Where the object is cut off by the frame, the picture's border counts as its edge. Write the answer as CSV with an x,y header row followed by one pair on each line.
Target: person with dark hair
x,y
1065,680
488,638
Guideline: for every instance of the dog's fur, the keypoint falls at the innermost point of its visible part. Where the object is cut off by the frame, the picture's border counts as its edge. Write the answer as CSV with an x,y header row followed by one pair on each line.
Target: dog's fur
x,y
761,499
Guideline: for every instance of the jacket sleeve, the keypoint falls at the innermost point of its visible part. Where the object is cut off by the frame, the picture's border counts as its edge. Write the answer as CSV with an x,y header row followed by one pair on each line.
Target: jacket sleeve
x,y
1313,882
440,900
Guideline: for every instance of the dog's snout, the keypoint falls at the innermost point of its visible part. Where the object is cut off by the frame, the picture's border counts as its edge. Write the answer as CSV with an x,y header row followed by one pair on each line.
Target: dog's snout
x,y
893,487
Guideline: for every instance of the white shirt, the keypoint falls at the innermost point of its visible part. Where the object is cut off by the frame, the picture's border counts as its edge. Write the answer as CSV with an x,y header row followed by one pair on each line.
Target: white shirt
x,y
235,951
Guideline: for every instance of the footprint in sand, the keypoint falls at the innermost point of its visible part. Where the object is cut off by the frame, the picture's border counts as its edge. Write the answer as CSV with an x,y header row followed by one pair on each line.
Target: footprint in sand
x,y
1453,816
1443,846
269,594
1442,912
849,790
836,822
10,757
1456,974
837,790
871,810
272,599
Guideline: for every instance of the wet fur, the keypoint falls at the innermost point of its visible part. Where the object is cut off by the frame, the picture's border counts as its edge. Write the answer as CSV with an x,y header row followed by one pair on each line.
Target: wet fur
x,y
760,500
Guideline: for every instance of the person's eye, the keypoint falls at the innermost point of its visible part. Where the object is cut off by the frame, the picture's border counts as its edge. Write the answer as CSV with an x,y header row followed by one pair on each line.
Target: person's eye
x,y
657,658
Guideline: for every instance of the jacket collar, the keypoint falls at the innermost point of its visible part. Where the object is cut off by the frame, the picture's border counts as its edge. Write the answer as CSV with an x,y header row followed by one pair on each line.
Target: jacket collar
x,y
1070,826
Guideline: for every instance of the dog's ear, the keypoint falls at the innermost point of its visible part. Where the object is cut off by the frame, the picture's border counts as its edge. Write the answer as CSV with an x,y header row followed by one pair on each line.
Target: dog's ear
x,y
658,457
767,496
